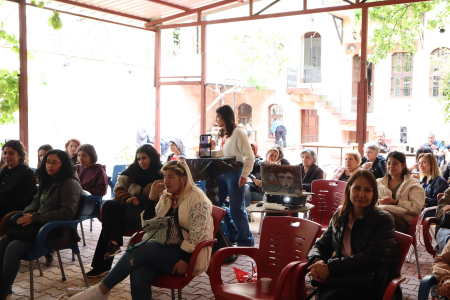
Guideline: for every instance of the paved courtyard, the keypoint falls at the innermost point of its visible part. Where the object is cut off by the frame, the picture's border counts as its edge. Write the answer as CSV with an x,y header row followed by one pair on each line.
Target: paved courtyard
x,y
50,285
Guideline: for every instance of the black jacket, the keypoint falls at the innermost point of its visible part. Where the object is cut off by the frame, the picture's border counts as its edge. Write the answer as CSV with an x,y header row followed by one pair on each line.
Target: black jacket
x,y
446,172
378,166
18,190
373,246
314,172
256,173
61,205
433,189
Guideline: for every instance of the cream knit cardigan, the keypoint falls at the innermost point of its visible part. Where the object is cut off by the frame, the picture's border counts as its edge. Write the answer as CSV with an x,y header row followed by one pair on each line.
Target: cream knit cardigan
x,y
194,214
238,145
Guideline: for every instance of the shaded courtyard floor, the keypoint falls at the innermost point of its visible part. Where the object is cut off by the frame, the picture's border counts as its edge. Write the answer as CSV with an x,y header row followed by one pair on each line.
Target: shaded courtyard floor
x,y
50,285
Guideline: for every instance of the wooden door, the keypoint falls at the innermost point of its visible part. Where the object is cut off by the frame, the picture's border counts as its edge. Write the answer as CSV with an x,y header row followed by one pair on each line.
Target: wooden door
x,y
310,126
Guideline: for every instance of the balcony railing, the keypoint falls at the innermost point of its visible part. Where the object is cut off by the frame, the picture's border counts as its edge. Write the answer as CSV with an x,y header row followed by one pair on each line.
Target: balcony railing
x,y
311,75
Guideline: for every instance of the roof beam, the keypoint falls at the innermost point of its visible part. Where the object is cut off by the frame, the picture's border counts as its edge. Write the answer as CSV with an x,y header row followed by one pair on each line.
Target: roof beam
x,y
84,16
169,4
189,12
289,14
104,10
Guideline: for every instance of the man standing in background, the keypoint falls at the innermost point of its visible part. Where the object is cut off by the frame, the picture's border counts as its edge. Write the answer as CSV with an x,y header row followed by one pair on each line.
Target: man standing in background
x,y
279,130
384,148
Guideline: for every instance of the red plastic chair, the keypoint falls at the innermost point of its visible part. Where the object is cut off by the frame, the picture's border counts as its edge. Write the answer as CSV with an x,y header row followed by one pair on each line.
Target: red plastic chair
x,y
427,236
284,245
404,243
412,233
331,194
178,282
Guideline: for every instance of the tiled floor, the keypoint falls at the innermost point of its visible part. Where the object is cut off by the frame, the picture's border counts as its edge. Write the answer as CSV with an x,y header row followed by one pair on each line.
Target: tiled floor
x,y
50,285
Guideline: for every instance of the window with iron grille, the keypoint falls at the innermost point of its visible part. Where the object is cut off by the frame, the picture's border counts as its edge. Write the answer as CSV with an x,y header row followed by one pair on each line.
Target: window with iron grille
x,y
275,113
402,78
439,57
245,114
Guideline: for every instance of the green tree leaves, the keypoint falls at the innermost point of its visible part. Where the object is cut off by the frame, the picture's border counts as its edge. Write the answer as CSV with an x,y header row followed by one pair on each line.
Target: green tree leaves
x,y
9,96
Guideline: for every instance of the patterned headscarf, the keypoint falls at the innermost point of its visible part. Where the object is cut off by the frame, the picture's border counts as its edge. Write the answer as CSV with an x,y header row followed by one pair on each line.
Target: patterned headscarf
x,y
179,145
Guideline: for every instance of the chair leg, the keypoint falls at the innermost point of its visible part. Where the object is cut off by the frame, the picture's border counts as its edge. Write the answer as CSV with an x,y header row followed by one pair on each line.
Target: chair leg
x,y
417,262
82,234
91,223
173,294
179,294
40,267
31,281
82,270
73,256
61,266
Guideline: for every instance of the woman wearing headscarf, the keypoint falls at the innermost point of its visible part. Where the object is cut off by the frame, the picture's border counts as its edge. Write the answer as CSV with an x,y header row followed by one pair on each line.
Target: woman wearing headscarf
x,y
123,212
177,147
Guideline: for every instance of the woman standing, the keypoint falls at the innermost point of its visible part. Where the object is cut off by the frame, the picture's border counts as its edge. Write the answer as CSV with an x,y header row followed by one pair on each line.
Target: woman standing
x,y
58,199
310,171
123,212
17,181
399,193
357,255
352,162
92,175
72,149
232,183
373,162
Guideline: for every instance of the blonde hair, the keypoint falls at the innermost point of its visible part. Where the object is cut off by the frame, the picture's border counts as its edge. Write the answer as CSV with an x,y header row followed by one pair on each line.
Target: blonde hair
x,y
434,167
181,169
356,155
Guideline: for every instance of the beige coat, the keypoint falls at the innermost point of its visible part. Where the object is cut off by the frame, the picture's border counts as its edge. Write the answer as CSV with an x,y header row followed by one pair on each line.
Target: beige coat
x,y
410,196
441,265
125,189
194,214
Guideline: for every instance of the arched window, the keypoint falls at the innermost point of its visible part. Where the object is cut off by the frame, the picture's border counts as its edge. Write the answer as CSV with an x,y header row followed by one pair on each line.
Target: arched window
x,y
439,57
312,58
401,79
245,114
275,113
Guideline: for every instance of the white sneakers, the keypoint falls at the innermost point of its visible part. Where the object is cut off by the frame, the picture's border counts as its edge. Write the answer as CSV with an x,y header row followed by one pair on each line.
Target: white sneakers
x,y
92,293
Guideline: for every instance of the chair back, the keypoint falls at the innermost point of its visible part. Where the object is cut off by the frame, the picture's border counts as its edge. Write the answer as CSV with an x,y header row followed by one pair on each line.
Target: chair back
x,y
117,170
284,240
4,221
217,215
404,242
439,196
83,201
331,194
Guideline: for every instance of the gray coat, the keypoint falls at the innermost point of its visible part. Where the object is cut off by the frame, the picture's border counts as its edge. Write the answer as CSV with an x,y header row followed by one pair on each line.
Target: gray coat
x,y
62,204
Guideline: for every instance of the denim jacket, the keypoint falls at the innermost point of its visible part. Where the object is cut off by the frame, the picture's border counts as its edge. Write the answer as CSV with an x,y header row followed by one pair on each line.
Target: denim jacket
x,y
433,189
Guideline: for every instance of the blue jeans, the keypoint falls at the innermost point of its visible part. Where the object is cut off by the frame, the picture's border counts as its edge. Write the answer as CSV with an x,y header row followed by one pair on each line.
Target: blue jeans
x,y
11,252
440,238
229,186
280,133
148,262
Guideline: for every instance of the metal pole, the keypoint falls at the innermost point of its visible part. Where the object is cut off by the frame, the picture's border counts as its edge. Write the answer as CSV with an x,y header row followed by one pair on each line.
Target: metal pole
x,y
203,85
157,141
361,116
23,77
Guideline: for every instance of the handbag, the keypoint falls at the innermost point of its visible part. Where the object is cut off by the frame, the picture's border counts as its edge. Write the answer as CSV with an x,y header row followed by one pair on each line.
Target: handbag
x,y
445,221
164,231
22,233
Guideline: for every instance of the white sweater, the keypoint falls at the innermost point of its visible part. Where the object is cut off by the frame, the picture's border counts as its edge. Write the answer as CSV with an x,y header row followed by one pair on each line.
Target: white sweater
x,y
237,145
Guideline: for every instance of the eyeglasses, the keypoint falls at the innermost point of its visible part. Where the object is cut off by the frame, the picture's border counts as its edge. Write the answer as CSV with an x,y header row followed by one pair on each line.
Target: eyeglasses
x,y
179,163
394,163
53,163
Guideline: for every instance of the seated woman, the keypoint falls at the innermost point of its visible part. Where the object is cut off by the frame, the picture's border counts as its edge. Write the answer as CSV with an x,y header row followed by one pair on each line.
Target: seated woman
x,y
431,181
372,161
17,181
352,162
92,175
399,193
310,171
414,170
42,150
178,197
123,212
281,159
441,271
72,149
177,147
253,186
357,255
58,198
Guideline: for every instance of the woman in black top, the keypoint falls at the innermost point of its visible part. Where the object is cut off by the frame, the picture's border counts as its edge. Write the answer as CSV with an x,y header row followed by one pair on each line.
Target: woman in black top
x,y
310,171
372,161
17,181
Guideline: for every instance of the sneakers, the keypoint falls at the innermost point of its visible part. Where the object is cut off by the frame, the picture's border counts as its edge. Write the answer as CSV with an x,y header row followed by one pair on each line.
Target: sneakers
x,y
94,273
92,293
112,251
49,258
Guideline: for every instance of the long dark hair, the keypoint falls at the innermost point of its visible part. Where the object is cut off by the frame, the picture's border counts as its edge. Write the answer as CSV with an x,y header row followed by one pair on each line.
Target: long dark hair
x,y
401,158
66,170
45,147
347,206
90,150
144,177
227,114
19,148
